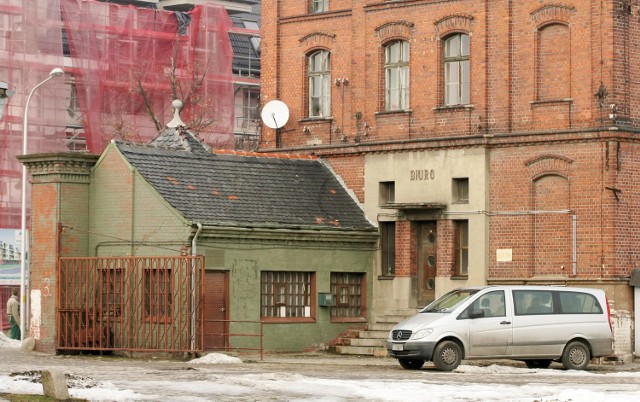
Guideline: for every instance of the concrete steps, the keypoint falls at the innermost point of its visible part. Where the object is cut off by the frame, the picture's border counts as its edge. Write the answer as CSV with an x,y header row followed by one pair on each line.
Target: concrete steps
x,y
371,341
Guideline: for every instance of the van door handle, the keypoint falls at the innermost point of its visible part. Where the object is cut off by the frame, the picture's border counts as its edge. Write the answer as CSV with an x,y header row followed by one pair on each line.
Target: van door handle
x,y
505,322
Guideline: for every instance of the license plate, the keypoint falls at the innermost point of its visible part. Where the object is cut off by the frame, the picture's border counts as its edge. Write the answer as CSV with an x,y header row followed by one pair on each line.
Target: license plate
x,y
398,347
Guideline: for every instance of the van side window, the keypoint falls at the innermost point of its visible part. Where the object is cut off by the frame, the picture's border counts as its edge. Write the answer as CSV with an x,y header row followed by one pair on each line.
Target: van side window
x,y
533,302
579,303
491,303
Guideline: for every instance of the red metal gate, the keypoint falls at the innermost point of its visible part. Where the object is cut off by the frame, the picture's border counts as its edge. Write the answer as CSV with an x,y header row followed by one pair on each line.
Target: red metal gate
x,y
130,303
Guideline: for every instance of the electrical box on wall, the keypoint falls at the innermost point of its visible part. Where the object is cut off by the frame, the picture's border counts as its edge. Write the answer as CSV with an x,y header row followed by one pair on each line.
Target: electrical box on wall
x,y
326,300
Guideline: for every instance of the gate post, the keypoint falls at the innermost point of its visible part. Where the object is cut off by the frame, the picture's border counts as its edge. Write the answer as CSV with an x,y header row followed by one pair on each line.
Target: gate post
x,y
59,197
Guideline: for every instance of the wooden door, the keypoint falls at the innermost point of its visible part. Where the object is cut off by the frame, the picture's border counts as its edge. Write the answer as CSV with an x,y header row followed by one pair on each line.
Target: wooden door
x,y
216,298
427,259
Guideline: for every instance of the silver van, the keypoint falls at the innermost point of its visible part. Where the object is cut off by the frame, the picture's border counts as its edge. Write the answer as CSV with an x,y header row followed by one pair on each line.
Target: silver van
x,y
535,324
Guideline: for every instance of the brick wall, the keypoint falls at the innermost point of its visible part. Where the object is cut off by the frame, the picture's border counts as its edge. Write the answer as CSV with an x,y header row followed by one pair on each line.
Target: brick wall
x,y
535,67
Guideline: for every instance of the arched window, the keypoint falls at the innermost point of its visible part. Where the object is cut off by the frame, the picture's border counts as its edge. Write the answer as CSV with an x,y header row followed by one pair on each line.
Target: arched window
x,y
456,70
319,73
396,75
554,67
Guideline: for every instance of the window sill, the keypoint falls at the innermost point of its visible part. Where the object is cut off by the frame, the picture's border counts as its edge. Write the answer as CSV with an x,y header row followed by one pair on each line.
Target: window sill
x,y
348,319
316,119
386,277
288,320
550,101
453,108
466,202
459,277
392,112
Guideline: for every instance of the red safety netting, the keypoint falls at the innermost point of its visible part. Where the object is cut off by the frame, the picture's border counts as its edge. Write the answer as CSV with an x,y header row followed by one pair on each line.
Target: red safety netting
x,y
126,64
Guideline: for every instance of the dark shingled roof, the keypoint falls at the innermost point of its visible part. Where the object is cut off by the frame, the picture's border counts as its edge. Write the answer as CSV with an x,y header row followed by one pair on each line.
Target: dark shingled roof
x,y
248,190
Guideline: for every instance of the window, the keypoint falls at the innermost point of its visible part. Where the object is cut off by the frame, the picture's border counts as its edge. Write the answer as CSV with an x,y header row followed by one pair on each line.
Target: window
x,y
247,106
388,246
387,192
536,302
111,292
318,6
396,75
157,294
348,289
286,294
461,232
461,190
456,70
255,40
491,303
319,84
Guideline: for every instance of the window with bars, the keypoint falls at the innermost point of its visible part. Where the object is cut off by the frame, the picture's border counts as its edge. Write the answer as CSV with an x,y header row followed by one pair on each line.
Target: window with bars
x,y
396,75
287,295
349,290
111,292
158,294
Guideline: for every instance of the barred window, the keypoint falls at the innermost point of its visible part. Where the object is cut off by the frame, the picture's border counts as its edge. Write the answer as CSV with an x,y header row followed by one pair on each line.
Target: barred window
x,y
349,290
111,292
158,294
461,229
286,294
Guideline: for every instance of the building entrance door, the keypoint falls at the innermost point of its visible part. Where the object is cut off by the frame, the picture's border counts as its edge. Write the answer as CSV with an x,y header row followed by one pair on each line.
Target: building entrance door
x,y
216,285
427,258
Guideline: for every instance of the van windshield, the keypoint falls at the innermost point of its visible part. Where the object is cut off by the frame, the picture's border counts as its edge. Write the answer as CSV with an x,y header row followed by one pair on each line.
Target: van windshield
x,y
449,301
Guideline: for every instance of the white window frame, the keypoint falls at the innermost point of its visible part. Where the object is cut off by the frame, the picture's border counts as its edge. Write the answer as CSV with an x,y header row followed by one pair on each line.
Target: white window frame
x,y
457,74
319,83
396,75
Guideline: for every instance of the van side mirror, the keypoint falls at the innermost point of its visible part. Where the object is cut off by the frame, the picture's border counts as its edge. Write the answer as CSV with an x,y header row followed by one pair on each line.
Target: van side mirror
x,y
477,313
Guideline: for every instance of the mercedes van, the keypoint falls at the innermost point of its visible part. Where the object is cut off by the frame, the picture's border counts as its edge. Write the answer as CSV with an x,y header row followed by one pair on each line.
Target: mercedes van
x,y
535,324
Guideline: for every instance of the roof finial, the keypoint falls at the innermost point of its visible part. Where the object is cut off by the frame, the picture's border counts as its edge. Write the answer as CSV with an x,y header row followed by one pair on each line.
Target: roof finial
x,y
176,121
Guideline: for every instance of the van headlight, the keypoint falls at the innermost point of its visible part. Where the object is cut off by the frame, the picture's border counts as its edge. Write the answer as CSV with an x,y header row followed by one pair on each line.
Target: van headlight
x,y
422,333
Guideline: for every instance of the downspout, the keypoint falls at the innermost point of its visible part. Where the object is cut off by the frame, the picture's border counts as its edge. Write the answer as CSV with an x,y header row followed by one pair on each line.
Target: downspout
x,y
193,283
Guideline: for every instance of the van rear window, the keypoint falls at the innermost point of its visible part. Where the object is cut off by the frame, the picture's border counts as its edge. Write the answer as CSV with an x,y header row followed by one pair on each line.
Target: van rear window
x,y
540,302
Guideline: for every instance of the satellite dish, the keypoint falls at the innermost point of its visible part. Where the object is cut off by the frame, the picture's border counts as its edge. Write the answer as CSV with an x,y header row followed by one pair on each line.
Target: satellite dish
x,y
275,114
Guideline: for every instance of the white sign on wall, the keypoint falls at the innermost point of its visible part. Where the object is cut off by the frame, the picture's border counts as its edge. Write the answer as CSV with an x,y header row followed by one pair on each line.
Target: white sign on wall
x,y
36,314
504,255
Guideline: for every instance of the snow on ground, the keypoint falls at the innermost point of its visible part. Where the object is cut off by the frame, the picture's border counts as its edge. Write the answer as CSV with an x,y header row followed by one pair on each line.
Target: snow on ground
x,y
208,384
6,342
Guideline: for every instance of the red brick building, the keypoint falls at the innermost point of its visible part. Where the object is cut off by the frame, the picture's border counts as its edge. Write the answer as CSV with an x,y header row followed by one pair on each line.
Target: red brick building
x,y
492,142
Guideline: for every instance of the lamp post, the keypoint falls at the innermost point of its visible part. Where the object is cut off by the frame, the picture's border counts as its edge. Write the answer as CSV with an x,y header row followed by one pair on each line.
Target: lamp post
x,y
56,72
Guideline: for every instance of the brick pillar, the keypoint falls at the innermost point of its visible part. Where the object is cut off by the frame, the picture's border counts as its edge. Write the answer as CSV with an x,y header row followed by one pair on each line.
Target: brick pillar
x,y
59,196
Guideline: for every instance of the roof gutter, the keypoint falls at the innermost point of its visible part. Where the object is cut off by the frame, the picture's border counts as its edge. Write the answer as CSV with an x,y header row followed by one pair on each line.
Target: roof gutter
x,y
194,246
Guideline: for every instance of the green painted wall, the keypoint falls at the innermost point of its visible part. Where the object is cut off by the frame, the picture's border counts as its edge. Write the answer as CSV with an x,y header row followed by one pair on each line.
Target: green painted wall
x,y
246,259
124,207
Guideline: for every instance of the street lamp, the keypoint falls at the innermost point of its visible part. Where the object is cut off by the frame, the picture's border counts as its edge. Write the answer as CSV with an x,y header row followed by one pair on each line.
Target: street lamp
x,y
56,72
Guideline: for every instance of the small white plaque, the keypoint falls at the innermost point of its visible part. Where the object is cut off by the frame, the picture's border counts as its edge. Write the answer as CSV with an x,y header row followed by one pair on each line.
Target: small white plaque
x,y
504,255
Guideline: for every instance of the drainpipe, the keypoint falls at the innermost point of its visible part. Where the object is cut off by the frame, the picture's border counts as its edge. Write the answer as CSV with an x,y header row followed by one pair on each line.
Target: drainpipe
x,y
193,284
574,262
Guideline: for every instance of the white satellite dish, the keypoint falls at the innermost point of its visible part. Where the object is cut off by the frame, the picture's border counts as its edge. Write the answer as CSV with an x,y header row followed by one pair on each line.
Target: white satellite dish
x,y
275,114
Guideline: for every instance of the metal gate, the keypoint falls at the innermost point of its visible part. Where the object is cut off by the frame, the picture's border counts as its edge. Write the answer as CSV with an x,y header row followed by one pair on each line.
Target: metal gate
x,y
130,303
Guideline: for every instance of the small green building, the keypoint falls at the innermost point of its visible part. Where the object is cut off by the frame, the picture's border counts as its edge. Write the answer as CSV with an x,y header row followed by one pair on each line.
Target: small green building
x,y
285,246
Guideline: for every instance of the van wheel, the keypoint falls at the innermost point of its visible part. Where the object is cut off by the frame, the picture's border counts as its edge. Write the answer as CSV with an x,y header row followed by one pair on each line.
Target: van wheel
x,y
447,356
576,356
411,364
538,364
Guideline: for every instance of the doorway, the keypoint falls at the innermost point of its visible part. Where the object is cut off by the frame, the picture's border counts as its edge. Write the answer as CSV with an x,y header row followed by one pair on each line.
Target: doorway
x,y
216,297
427,260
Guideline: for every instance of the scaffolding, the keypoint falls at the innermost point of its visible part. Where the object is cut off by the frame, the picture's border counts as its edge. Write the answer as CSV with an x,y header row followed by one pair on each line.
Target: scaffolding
x,y
124,65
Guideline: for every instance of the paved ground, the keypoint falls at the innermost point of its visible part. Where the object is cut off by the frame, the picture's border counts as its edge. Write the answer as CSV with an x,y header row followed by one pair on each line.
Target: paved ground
x,y
145,369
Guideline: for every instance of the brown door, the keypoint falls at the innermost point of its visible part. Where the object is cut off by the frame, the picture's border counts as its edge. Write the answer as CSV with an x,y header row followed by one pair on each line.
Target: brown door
x,y
427,259
216,298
